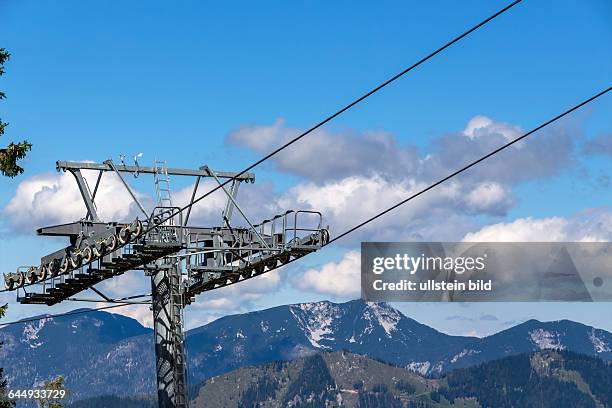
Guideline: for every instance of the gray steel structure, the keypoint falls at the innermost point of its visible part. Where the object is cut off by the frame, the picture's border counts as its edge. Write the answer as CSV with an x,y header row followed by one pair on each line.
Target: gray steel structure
x,y
181,260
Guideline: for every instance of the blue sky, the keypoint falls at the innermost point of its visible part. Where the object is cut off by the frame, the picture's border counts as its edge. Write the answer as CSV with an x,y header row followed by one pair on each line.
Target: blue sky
x,y
90,81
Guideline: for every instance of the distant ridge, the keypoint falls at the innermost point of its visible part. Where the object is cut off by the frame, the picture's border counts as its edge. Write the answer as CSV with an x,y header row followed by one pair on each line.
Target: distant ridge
x,y
543,379
102,353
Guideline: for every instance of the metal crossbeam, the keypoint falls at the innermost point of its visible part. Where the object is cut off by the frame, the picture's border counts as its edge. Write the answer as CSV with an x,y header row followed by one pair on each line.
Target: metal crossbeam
x,y
68,165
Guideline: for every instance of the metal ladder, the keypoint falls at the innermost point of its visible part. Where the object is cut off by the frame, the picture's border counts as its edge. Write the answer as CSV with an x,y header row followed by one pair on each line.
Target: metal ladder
x,y
162,184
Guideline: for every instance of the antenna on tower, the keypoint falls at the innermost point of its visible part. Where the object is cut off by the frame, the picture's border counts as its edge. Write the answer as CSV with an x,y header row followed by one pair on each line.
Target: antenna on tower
x,y
136,157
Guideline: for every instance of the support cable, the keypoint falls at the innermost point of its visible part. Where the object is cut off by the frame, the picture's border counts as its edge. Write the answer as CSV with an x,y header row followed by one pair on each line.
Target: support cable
x,y
468,166
106,301
74,312
341,111
312,129
352,229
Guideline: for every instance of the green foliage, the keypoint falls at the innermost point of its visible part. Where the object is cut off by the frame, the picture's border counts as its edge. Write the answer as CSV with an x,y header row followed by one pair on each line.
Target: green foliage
x,y
513,382
378,397
5,402
260,391
49,402
596,373
405,387
10,155
421,404
4,56
545,379
313,387
437,397
107,401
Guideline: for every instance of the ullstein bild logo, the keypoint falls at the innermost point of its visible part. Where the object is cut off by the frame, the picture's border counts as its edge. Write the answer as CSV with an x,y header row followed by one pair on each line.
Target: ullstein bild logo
x,y
483,271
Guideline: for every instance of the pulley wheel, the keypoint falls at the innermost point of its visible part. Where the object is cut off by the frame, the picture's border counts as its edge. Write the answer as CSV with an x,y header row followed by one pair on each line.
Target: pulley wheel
x,y
111,243
124,235
86,255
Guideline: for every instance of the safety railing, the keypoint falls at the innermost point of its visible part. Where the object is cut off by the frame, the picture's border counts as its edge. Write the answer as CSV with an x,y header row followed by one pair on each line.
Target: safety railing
x,y
169,230
291,230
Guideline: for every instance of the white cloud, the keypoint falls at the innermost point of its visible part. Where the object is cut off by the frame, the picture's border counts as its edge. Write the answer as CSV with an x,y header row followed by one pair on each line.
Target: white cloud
x,y
323,155
483,126
142,313
49,199
347,201
339,279
349,177
599,145
342,278
262,138
489,197
258,201
208,210
522,230
587,226
239,297
129,284
236,298
476,124
354,175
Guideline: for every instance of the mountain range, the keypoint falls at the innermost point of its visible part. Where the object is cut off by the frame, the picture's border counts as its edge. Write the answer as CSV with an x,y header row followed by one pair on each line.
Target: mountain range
x,y
103,353
544,379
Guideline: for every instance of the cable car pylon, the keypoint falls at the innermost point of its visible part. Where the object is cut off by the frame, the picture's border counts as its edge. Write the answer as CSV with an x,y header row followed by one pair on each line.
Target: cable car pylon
x,y
182,261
